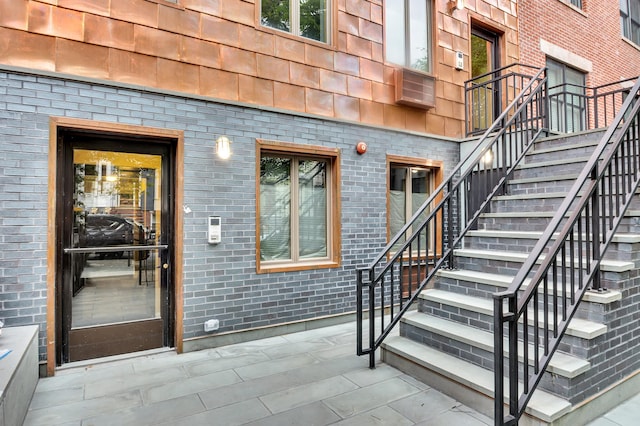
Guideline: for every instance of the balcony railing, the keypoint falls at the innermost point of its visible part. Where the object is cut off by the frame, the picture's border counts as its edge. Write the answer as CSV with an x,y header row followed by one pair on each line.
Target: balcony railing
x,y
488,95
571,108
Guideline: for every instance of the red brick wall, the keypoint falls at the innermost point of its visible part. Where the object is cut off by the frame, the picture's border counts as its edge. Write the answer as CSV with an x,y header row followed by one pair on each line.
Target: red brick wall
x,y
593,33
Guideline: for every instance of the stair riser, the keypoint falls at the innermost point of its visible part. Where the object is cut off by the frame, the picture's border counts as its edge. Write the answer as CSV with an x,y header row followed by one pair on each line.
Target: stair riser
x,y
550,382
571,151
629,225
559,186
523,224
573,345
587,310
539,224
616,251
548,170
526,205
562,141
511,268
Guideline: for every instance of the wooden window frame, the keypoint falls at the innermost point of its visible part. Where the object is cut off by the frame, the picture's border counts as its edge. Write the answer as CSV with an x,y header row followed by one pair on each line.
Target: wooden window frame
x,y
437,167
332,155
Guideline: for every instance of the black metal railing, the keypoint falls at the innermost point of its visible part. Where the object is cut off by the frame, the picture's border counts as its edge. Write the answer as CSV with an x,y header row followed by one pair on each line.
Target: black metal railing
x,y
534,317
389,285
574,108
487,95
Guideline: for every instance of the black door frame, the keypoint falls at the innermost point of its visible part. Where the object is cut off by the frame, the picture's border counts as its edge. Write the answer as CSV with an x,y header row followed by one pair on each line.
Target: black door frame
x,y
70,138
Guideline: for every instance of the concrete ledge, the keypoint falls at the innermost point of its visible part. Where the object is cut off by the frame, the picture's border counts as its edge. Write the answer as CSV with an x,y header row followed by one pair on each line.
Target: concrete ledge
x,y
18,372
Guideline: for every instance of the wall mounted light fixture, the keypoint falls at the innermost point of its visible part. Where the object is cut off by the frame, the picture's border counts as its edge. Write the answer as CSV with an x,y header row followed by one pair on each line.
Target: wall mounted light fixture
x,y
223,147
488,158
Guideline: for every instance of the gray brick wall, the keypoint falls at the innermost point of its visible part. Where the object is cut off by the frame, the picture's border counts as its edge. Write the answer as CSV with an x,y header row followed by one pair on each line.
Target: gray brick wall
x,y
219,281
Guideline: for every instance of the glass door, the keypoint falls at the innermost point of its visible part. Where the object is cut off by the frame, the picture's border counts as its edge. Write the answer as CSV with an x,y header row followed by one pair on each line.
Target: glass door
x,y
115,295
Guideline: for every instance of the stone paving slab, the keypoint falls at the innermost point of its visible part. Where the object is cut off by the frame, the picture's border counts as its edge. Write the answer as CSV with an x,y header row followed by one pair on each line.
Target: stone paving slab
x,y
305,378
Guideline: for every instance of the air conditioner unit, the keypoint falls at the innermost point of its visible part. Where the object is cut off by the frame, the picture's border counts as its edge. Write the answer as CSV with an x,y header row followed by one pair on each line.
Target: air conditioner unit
x,y
415,88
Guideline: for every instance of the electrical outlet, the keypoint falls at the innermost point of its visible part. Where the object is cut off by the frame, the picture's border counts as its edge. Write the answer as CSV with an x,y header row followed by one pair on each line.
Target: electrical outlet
x,y
211,325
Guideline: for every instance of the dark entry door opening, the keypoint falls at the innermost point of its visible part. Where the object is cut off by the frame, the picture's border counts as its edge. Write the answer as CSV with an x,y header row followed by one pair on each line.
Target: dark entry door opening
x,y
114,245
485,58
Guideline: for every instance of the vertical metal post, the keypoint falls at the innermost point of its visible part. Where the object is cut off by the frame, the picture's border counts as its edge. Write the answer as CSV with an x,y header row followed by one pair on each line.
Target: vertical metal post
x,y
372,317
449,226
359,312
513,355
595,229
469,104
498,360
595,108
544,101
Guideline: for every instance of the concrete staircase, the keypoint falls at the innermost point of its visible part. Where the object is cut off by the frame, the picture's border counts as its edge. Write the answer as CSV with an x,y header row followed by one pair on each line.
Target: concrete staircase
x,y
448,341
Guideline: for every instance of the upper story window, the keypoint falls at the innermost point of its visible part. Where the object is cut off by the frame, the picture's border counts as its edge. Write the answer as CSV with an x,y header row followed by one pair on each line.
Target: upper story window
x,y
630,19
567,100
408,37
304,18
576,3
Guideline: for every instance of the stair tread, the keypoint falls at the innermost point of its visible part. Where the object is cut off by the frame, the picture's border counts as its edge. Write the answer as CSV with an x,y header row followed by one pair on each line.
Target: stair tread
x,y
542,405
504,281
535,235
512,256
532,196
519,214
561,363
548,214
577,327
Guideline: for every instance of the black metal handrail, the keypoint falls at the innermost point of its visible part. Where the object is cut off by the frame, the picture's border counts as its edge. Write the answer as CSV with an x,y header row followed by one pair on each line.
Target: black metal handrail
x,y
488,94
406,265
574,107
570,262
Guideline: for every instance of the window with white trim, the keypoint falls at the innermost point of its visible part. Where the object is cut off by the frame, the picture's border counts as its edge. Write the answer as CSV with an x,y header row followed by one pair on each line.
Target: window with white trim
x,y
630,20
408,37
298,207
304,18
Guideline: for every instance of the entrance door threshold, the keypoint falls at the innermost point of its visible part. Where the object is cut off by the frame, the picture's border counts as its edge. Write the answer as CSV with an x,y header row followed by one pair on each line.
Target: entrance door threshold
x,y
114,358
